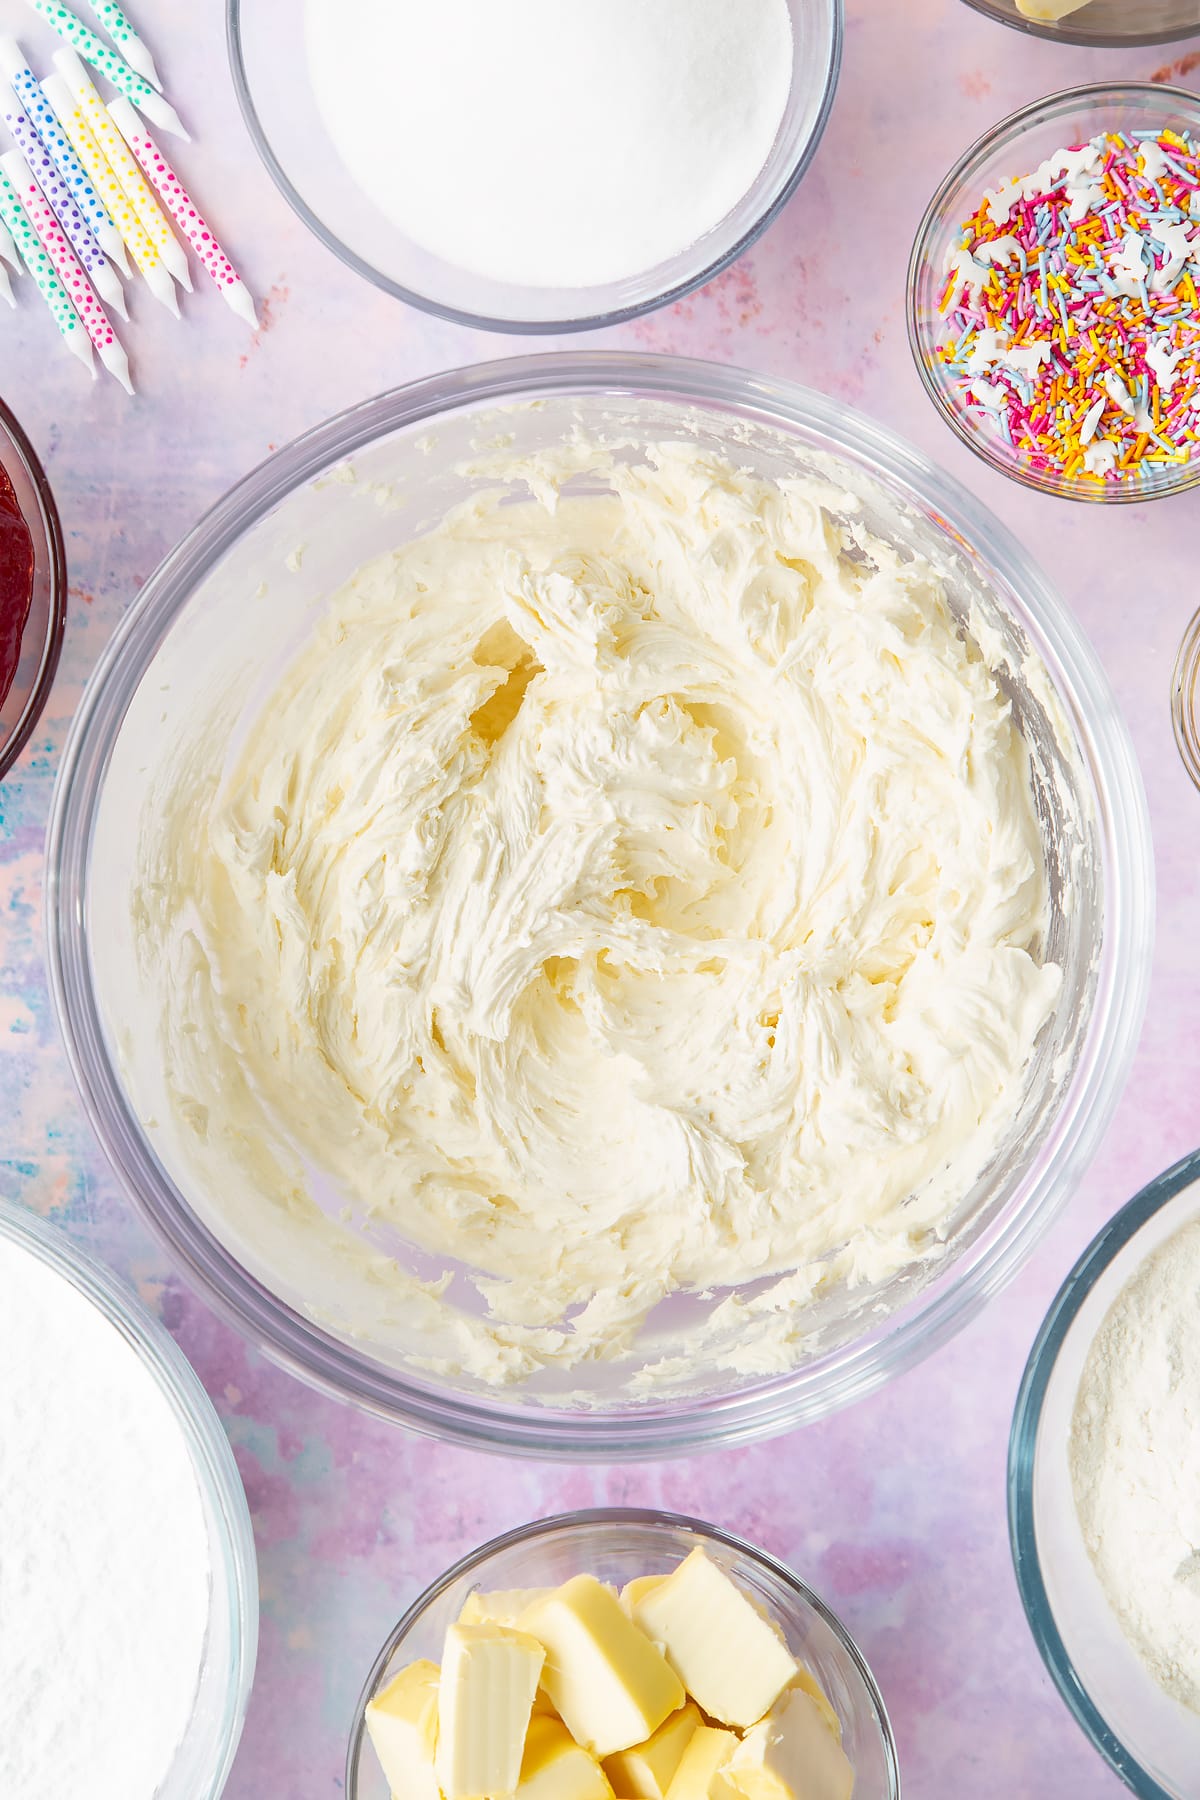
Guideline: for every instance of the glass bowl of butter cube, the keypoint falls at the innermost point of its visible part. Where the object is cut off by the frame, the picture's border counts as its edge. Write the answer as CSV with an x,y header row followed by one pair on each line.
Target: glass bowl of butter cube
x,y
1102,24
621,1655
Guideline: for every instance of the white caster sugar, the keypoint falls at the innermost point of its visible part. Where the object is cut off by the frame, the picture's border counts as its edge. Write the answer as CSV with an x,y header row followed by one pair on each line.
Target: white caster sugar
x,y
1135,1462
104,1572
552,143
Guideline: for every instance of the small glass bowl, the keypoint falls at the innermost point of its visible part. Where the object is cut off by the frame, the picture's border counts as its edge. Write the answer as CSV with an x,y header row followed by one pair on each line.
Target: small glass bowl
x,y
1015,147
1104,24
1185,700
205,1756
270,72
615,1544
1151,1741
42,638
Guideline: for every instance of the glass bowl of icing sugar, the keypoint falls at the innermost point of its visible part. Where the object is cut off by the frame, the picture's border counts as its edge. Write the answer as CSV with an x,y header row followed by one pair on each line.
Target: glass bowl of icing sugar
x,y
545,165
127,1582
1104,1489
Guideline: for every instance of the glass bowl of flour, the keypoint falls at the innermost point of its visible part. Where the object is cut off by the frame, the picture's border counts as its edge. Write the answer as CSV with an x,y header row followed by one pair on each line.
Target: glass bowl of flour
x,y
545,165
128,1581
1104,1488
598,904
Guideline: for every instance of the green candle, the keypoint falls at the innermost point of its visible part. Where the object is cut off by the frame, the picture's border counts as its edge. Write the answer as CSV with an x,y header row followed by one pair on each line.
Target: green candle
x,y
37,260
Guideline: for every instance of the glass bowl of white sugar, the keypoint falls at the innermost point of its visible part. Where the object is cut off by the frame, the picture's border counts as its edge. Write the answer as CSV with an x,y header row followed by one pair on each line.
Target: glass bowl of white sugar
x,y
127,1581
545,165
1104,1488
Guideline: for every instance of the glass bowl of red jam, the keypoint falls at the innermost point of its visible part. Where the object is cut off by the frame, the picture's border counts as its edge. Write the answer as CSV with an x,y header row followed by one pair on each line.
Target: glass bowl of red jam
x,y
33,589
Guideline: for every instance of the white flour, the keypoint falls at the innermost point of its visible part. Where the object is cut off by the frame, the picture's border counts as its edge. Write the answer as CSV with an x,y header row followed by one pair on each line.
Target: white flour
x,y
552,143
104,1573
1135,1462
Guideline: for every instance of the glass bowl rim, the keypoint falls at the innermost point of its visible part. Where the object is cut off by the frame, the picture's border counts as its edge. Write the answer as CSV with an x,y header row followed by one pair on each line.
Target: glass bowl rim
x,y
1008,131
234,1560
52,642
297,1343
1107,1244
1079,35
652,1518
526,327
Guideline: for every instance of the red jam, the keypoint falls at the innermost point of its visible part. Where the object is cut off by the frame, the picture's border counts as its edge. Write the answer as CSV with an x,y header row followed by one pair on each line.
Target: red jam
x,y
16,583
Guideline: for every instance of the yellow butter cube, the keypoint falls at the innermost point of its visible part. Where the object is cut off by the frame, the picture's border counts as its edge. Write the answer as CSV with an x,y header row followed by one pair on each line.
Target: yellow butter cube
x,y
633,1590
485,1697
816,1693
645,1772
1049,10
701,1771
791,1755
402,1721
731,1659
555,1767
503,1607
608,1682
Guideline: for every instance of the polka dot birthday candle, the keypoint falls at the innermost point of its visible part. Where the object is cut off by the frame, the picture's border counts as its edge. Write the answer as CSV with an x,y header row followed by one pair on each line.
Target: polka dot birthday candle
x,y
42,116
121,32
67,267
183,210
94,50
37,260
116,152
83,240
8,250
142,249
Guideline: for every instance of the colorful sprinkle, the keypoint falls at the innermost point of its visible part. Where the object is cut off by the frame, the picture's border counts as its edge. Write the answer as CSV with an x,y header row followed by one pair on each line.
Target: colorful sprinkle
x,y
1070,313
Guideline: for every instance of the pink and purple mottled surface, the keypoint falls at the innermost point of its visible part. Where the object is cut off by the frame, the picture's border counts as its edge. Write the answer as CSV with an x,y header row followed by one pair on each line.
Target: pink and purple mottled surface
x,y
895,1510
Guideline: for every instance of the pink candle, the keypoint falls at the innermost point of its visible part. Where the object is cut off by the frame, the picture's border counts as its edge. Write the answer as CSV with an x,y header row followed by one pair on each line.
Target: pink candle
x,y
183,209
68,267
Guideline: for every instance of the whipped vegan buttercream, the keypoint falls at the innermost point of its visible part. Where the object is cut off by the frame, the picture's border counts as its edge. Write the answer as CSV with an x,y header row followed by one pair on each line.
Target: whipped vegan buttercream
x,y
620,894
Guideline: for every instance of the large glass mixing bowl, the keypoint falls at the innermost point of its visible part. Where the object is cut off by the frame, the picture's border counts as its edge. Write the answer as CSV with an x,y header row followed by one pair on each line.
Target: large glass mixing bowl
x,y
219,618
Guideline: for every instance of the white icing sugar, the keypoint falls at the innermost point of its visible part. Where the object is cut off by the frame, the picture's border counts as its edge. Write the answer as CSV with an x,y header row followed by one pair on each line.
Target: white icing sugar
x,y
104,1565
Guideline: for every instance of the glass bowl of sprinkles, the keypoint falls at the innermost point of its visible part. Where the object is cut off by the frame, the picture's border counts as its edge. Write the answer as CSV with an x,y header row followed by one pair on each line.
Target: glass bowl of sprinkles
x,y
1054,294
1105,24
